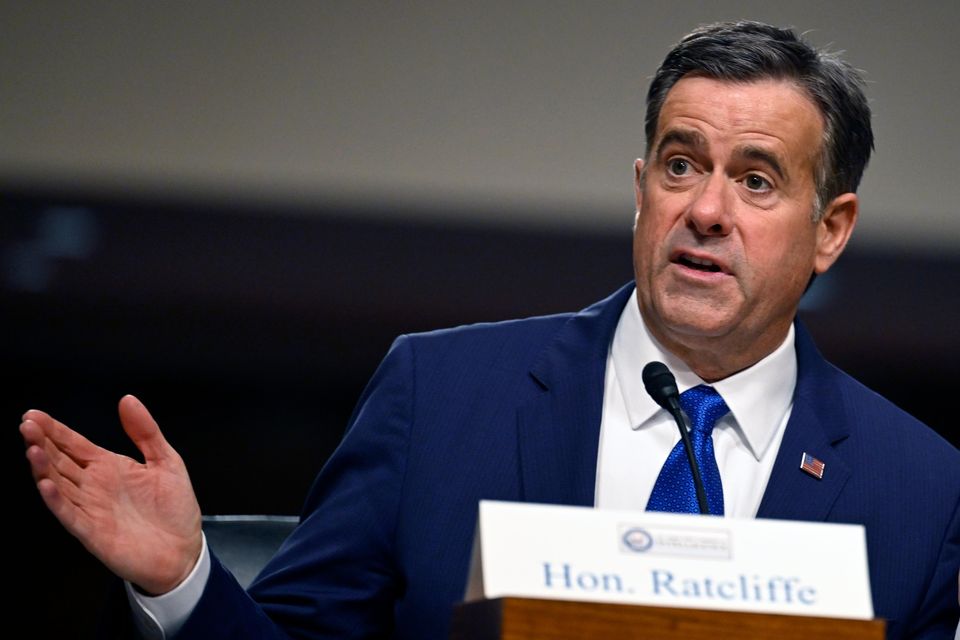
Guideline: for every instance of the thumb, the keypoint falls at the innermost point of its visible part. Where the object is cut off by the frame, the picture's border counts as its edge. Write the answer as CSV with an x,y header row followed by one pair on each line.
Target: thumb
x,y
143,430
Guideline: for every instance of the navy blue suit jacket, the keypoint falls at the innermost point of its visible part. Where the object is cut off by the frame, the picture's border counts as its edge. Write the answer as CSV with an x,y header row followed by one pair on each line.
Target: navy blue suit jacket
x,y
511,411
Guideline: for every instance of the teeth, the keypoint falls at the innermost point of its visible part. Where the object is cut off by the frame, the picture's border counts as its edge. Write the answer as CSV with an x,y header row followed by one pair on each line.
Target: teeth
x,y
704,263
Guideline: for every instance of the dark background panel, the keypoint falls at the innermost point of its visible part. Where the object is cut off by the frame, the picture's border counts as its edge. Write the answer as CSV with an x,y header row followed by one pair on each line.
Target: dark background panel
x,y
250,332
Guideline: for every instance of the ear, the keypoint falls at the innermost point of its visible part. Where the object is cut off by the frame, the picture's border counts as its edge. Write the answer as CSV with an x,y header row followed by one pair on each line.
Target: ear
x,y
638,182
834,229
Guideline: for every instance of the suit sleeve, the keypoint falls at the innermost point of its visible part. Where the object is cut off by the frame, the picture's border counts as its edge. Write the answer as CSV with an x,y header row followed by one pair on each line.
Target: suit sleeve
x,y
336,576
938,616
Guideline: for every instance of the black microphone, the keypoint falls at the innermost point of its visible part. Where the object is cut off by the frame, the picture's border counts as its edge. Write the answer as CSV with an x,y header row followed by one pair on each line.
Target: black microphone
x,y
662,387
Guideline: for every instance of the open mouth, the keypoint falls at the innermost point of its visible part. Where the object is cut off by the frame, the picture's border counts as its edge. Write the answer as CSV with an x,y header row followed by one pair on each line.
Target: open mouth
x,y
698,264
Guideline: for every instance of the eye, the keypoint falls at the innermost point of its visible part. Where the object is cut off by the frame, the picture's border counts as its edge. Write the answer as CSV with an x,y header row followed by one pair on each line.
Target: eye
x,y
757,183
678,166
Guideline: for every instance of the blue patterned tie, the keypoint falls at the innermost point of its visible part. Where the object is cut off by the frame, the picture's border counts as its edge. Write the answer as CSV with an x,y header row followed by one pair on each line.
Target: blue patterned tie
x,y
674,490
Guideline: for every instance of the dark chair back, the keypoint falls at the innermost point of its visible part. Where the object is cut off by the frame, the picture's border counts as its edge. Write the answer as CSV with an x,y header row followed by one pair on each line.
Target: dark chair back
x,y
244,543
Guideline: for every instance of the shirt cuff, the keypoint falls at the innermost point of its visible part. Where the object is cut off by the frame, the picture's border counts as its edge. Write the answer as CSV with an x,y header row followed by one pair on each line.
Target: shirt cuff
x,y
160,617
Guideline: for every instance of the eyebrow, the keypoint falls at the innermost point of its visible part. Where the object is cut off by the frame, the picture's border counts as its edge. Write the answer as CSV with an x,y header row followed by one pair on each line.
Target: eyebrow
x,y
686,137
763,155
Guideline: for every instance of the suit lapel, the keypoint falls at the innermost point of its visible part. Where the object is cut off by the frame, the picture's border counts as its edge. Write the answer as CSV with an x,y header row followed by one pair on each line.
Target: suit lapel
x,y
817,423
559,429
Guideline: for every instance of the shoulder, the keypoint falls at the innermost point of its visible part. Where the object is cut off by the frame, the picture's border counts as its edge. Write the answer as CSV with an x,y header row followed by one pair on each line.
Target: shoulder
x,y
505,343
515,345
889,430
901,470
862,421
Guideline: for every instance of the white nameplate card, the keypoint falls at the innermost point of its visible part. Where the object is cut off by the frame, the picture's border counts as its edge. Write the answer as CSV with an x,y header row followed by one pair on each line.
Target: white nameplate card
x,y
671,560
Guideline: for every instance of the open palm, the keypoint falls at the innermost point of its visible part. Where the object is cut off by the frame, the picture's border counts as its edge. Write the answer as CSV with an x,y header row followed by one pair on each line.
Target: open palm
x,y
141,520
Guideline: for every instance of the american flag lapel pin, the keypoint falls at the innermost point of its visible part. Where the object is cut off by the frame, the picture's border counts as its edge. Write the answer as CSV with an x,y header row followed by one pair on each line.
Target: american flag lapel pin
x,y
812,466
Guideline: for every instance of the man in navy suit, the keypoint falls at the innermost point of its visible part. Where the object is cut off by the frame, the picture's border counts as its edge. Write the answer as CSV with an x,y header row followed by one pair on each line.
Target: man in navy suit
x,y
755,146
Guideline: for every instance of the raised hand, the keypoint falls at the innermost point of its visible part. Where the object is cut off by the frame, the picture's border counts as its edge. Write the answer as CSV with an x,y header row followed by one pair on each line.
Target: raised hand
x,y
141,520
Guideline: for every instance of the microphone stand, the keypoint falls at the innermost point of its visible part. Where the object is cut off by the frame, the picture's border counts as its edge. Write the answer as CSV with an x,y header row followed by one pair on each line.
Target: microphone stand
x,y
662,387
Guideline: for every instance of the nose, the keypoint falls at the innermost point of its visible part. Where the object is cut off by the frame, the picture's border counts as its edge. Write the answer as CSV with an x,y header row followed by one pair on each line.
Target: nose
x,y
709,212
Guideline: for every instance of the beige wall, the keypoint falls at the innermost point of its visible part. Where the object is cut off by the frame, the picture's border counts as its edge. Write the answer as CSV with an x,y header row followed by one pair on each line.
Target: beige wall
x,y
527,112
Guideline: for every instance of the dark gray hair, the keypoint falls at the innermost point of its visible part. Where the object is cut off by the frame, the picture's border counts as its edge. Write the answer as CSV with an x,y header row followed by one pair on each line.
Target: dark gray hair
x,y
748,51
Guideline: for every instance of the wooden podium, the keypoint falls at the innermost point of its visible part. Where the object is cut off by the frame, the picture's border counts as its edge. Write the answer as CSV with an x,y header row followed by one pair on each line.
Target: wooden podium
x,y
528,619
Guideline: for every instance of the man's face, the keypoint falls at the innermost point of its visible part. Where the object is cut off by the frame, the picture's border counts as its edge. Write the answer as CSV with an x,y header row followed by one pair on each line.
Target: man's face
x,y
724,243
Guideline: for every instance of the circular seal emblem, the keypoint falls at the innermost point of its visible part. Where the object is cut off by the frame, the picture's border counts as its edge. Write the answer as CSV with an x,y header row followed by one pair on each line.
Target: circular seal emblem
x,y
637,539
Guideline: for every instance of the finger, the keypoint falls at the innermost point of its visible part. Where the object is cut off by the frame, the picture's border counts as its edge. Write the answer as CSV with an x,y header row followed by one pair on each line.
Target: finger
x,y
64,510
32,433
143,430
59,494
55,488
41,467
39,462
67,440
68,503
70,492
62,463
55,458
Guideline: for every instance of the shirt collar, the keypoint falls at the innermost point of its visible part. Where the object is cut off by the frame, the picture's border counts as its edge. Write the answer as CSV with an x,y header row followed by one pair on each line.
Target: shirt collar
x,y
759,396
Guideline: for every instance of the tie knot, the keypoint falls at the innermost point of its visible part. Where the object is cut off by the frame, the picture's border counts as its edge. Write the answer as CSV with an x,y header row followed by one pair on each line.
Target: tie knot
x,y
704,406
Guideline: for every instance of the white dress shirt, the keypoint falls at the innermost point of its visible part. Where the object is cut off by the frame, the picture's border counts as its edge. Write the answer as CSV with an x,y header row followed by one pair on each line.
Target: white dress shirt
x,y
157,617
636,436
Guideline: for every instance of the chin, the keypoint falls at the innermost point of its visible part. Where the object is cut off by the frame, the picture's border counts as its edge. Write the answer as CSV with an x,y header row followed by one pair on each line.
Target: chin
x,y
697,317
704,330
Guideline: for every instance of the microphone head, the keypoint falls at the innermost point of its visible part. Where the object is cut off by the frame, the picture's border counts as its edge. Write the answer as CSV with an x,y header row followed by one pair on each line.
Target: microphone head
x,y
660,384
